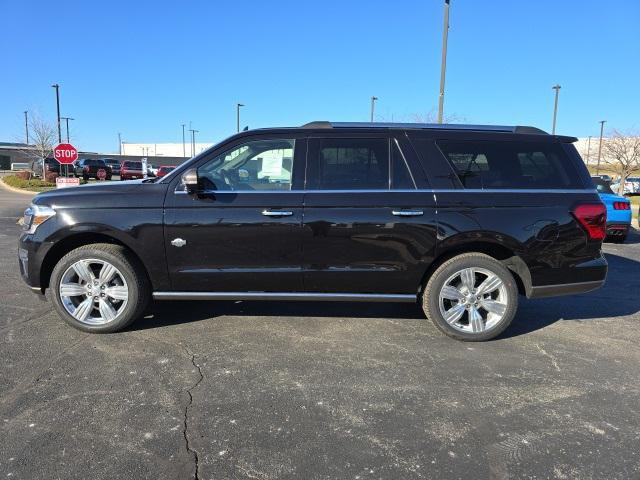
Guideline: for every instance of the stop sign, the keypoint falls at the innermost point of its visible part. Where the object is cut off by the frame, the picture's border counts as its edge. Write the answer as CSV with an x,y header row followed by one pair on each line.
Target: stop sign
x,y
65,153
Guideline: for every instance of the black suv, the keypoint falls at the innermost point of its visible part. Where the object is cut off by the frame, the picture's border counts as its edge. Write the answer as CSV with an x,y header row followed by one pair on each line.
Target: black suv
x,y
458,218
88,168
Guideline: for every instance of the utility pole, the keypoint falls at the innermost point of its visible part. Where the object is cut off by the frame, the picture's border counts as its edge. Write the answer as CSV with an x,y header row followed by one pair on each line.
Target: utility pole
x,y
119,143
184,151
555,108
26,125
373,106
602,122
443,65
588,149
238,105
66,119
57,87
193,141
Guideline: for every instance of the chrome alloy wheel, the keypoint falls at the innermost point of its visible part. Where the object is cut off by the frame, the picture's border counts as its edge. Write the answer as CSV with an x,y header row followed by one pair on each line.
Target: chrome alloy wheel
x,y
473,300
93,291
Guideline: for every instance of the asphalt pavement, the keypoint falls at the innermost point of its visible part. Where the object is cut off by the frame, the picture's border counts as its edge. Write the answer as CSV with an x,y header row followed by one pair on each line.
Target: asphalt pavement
x,y
320,391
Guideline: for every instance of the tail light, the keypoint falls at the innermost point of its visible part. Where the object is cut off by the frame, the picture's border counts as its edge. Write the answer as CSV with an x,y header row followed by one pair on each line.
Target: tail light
x,y
593,218
621,206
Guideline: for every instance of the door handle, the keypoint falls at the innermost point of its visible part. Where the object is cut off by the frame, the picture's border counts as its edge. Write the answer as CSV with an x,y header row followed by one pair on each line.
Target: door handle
x,y
276,213
407,213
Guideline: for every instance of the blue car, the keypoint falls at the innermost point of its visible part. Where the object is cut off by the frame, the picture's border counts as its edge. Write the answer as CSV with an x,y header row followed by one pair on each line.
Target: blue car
x,y
618,212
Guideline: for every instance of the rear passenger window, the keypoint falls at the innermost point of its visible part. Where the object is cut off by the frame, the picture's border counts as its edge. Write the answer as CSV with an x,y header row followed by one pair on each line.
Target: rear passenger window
x,y
349,164
504,165
400,176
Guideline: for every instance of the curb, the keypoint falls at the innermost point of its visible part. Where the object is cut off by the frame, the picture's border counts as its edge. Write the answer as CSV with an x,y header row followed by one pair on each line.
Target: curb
x,y
17,190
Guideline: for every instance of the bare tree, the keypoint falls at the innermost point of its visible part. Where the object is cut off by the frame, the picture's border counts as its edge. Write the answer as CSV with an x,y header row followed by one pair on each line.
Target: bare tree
x,y
622,154
429,117
42,136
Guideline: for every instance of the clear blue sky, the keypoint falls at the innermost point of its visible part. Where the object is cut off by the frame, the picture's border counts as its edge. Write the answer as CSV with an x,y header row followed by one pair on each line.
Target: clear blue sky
x,y
144,67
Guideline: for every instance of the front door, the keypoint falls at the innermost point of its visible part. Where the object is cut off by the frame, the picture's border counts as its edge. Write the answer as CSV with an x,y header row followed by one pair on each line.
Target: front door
x,y
367,227
242,231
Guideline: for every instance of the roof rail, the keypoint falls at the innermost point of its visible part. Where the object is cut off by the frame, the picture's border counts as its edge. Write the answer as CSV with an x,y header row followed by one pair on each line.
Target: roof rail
x,y
427,126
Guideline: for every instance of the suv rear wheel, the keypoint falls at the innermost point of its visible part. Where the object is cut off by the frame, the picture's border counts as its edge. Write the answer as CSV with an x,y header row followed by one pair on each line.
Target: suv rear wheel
x,y
99,288
471,297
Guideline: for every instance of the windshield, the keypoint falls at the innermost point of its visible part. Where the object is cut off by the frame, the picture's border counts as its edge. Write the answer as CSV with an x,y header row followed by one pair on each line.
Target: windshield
x,y
602,186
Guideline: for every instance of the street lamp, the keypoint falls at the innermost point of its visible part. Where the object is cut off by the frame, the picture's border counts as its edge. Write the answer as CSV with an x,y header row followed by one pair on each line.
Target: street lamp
x,y
443,65
602,122
184,151
57,87
373,106
120,143
193,141
238,105
66,119
555,108
26,125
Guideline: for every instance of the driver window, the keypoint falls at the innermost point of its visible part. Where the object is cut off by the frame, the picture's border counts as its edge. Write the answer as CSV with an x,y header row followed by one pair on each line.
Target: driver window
x,y
254,165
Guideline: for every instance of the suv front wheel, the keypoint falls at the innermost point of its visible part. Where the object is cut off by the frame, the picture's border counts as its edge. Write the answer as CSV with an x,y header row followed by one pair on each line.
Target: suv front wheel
x,y
471,297
99,288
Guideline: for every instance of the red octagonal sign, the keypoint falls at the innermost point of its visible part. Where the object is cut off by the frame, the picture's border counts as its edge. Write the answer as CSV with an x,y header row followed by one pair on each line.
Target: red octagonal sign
x,y
65,153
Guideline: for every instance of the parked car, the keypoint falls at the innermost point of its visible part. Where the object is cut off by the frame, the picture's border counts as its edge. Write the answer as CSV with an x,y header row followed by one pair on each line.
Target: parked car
x,y
130,170
91,168
114,164
457,218
164,169
618,211
606,178
50,165
631,186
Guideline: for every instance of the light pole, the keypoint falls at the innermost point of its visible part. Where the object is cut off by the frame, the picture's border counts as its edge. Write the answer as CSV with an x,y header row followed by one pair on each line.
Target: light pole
x,y
66,119
57,87
238,105
119,143
602,122
588,149
443,65
184,151
26,125
373,106
555,108
193,141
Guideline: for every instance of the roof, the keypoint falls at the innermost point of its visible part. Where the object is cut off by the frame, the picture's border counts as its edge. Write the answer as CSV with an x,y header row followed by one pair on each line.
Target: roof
x,y
428,126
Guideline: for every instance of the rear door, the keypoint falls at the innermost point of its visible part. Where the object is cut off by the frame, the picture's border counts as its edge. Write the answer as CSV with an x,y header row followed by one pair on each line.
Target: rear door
x,y
242,232
369,218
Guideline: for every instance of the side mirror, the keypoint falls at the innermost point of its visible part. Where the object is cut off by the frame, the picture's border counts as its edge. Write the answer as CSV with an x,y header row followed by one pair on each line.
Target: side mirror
x,y
190,181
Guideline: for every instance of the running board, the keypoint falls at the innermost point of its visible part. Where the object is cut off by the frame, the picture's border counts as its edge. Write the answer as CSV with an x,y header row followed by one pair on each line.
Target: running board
x,y
307,297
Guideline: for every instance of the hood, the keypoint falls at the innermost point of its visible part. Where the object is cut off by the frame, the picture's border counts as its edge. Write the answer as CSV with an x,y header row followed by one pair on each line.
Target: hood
x,y
110,194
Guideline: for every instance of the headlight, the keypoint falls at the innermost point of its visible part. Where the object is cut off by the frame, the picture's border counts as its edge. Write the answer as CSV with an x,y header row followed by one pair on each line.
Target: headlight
x,y
36,215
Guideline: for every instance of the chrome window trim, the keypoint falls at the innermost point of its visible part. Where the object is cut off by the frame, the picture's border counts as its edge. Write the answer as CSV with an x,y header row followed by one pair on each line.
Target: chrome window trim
x,y
412,190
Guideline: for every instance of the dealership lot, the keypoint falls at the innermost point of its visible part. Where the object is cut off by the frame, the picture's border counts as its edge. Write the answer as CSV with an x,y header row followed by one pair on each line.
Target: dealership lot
x,y
287,390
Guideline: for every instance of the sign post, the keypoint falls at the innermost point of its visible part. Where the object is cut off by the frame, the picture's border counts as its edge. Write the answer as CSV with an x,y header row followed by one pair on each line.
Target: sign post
x,y
65,154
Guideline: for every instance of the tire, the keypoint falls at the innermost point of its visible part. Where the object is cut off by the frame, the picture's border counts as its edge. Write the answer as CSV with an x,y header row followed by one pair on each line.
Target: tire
x,y
128,285
502,300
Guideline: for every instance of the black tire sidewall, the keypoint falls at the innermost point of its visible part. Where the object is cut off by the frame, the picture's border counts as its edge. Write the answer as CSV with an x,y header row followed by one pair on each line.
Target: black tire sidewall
x,y
436,282
119,261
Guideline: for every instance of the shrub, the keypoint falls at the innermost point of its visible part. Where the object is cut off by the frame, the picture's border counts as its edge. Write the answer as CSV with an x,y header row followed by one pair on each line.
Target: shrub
x,y
28,184
50,177
23,175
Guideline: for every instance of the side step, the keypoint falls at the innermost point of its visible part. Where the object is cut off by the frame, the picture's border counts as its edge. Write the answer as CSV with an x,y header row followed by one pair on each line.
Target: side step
x,y
295,296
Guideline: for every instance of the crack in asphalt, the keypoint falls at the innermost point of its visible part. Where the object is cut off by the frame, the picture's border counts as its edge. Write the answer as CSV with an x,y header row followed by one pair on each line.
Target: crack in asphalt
x,y
185,430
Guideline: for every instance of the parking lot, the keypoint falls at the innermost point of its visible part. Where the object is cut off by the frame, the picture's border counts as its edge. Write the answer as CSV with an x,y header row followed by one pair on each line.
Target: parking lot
x,y
320,390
